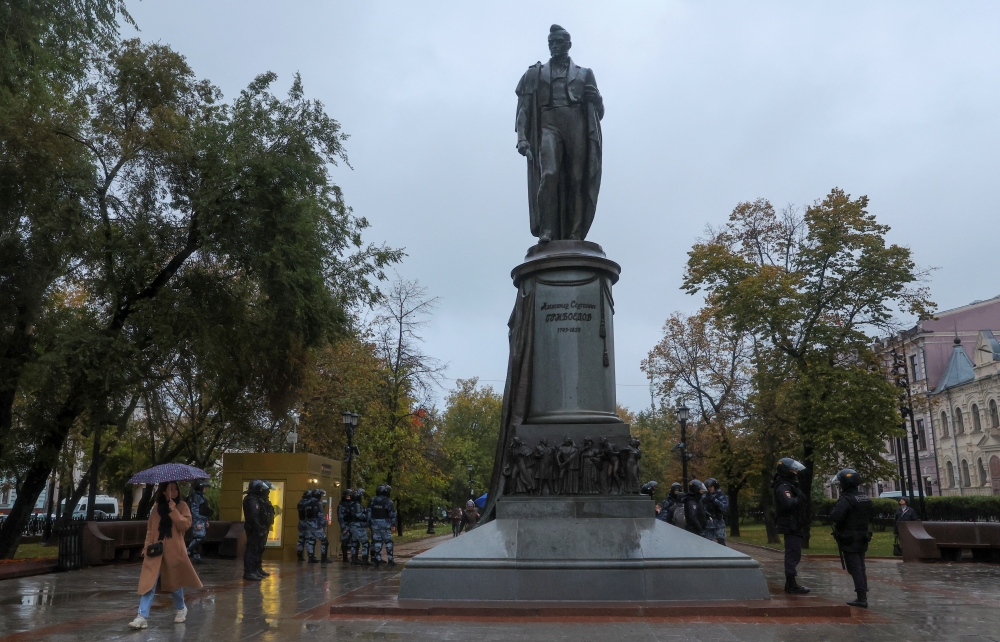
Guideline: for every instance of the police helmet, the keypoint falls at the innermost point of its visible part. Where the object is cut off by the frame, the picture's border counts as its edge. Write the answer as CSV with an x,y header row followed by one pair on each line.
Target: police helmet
x,y
695,487
199,484
788,468
347,494
306,494
257,487
648,488
712,481
319,493
388,489
676,487
849,479
380,491
359,493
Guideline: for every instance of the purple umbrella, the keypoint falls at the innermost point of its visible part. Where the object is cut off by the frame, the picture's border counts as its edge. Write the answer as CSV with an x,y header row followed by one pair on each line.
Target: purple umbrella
x,y
168,473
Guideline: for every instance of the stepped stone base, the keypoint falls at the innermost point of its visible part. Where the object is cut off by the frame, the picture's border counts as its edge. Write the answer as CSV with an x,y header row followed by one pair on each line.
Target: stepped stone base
x,y
585,549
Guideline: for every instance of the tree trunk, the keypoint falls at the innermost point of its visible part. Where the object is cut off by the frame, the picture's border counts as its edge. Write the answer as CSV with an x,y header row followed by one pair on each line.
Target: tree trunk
x,y
144,502
95,464
74,499
126,512
734,510
805,485
47,533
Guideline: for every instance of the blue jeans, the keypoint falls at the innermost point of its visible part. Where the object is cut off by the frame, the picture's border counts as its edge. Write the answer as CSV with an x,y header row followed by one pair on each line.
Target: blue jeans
x,y
146,600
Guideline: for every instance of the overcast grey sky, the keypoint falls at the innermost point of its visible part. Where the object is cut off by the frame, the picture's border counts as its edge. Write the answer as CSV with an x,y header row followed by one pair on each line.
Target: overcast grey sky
x,y
708,104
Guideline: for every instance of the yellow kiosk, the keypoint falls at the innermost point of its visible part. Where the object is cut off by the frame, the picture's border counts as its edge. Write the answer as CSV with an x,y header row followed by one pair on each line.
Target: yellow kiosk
x,y
291,474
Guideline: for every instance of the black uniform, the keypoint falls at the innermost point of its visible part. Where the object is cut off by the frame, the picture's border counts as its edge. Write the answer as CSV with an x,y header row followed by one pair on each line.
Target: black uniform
x,y
791,518
850,518
695,518
256,526
670,504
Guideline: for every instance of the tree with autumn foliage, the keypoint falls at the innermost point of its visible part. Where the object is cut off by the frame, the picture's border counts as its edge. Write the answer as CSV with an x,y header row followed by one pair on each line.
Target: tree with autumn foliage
x,y
813,289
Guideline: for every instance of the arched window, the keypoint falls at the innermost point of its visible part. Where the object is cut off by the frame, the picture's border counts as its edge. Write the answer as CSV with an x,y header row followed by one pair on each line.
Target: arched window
x,y
994,417
981,472
965,474
944,425
977,425
959,422
951,475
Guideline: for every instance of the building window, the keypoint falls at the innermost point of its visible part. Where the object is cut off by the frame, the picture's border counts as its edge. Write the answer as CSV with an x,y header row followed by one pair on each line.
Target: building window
x,y
892,446
994,417
921,435
981,472
951,475
977,425
959,422
965,474
944,424
913,367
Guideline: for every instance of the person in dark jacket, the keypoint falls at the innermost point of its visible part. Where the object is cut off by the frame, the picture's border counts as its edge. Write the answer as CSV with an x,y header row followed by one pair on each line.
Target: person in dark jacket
x,y
791,519
382,513
904,514
456,521
200,512
346,499
850,518
470,516
695,518
716,505
258,516
666,512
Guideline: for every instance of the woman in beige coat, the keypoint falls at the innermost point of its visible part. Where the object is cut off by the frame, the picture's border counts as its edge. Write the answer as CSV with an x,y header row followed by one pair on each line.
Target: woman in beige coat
x,y
168,521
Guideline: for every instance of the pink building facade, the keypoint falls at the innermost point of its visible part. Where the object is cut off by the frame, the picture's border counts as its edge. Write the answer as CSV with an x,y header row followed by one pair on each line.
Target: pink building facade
x,y
952,362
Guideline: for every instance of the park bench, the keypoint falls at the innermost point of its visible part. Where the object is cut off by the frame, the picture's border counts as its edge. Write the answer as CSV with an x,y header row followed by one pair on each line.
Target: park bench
x,y
923,541
107,542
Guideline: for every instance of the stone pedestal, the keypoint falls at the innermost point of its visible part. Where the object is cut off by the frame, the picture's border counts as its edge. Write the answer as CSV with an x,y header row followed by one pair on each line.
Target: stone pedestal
x,y
571,547
578,549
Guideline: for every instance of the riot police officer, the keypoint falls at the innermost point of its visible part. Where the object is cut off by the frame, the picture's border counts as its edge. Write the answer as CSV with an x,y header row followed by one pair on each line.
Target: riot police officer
x,y
346,499
321,523
357,521
303,509
850,518
716,505
670,504
382,513
695,518
257,520
792,521
268,510
200,512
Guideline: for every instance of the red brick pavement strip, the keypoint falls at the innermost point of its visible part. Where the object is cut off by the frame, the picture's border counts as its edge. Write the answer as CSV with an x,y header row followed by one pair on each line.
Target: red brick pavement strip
x,y
27,568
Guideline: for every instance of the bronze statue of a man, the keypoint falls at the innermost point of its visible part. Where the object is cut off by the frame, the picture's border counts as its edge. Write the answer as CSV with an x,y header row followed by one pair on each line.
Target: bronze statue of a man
x,y
559,112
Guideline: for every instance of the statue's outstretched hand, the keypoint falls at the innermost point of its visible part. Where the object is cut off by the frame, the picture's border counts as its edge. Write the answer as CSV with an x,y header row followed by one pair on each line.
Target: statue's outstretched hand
x,y
524,149
591,94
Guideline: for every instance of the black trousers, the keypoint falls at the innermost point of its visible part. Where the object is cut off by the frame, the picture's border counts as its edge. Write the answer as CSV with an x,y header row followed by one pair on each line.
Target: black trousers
x,y
793,553
855,563
253,552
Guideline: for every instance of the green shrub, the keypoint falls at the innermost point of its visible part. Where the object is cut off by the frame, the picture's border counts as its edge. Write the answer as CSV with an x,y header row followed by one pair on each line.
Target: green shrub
x,y
971,508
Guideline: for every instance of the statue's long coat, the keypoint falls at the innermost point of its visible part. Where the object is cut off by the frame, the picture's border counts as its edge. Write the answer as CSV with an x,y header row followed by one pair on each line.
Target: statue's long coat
x,y
534,90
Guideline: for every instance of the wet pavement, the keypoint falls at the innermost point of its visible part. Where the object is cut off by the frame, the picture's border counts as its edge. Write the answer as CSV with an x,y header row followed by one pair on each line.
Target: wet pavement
x,y
950,601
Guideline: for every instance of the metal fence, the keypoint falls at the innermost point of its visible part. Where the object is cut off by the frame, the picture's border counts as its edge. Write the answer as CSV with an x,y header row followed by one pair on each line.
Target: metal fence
x,y
71,545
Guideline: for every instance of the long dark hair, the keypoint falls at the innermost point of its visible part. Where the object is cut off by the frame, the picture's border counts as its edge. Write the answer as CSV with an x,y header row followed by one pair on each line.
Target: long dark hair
x,y
163,508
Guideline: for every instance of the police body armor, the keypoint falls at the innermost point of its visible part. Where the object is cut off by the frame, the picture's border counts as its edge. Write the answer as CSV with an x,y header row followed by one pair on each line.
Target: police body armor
x,y
851,516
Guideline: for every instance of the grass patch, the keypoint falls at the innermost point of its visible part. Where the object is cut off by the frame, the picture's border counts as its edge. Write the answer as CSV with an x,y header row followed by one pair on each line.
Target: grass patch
x,y
419,532
820,542
35,551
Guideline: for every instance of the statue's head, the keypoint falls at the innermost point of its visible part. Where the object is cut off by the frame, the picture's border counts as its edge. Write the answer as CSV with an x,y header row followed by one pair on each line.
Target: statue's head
x,y
567,441
559,42
543,442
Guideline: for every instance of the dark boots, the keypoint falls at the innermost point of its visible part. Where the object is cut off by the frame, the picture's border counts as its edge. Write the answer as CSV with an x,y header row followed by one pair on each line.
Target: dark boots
x,y
312,559
345,553
298,556
793,588
861,601
324,559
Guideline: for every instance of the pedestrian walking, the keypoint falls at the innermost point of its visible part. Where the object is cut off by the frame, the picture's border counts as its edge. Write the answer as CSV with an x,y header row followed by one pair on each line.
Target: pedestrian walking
x,y
850,518
470,516
792,521
456,521
165,559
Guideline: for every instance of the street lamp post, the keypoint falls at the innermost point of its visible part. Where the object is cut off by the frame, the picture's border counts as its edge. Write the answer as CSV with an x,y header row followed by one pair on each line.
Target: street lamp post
x,y
350,425
682,417
470,481
430,517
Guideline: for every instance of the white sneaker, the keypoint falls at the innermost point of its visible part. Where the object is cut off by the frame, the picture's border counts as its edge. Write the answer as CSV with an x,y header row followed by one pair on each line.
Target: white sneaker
x,y
180,616
138,623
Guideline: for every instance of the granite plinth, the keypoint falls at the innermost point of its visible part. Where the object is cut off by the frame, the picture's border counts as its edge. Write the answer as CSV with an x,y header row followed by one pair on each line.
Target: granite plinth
x,y
539,550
